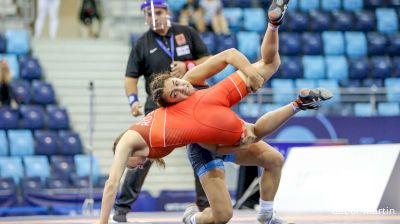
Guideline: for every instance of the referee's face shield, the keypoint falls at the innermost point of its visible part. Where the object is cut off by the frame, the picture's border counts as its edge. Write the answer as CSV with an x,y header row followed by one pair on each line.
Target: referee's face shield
x,y
156,14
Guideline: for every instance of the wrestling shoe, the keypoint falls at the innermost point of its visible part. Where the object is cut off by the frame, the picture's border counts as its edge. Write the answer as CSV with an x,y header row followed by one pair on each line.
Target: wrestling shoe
x,y
119,217
277,11
309,99
190,211
270,218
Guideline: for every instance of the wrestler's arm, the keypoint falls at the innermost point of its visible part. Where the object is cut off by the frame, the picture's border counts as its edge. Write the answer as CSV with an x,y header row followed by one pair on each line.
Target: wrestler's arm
x,y
129,141
199,74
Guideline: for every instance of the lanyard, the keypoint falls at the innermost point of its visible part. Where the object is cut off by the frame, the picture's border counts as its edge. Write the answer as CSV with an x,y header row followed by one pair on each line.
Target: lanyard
x,y
165,49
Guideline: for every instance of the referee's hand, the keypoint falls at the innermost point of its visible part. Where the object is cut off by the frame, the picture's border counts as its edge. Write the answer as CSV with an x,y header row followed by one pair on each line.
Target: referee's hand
x,y
178,69
136,109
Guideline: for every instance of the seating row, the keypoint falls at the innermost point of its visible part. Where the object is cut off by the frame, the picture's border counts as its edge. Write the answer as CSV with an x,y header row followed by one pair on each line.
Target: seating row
x,y
23,67
61,170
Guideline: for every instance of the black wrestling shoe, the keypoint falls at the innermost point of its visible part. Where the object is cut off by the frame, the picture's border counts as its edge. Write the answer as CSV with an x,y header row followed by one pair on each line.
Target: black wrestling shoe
x,y
309,99
119,217
276,11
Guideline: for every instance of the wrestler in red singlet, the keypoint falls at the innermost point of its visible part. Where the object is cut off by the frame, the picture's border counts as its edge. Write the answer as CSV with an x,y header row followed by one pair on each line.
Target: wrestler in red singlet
x,y
204,117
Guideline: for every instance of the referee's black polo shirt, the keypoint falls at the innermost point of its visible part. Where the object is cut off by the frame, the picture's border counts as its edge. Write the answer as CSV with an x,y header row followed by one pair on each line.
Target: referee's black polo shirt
x,y
147,57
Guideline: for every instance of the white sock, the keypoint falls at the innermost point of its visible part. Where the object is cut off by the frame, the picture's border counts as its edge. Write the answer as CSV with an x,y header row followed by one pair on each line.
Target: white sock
x,y
193,219
266,206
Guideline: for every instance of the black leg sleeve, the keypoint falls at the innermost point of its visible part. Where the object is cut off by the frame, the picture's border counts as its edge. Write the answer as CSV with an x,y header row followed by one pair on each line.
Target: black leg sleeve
x,y
131,188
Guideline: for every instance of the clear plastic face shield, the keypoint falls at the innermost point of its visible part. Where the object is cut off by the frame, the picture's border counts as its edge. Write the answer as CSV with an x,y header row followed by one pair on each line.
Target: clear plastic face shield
x,y
157,17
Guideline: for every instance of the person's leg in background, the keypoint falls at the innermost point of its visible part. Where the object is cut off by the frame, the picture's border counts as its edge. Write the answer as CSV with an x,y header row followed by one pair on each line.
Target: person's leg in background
x,y
53,10
41,11
130,191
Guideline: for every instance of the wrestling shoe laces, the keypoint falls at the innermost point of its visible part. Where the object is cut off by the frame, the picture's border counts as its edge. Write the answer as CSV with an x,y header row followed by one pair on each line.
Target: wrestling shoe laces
x,y
276,11
309,99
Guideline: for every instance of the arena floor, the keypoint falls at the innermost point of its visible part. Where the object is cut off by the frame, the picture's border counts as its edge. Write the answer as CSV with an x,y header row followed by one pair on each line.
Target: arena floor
x,y
240,217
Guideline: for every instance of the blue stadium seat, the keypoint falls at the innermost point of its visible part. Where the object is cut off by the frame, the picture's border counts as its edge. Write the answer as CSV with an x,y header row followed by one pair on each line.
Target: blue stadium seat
x,y
350,83
314,67
226,41
393,3
249,44
21,91
298,21
333,42
242,3
102,181
57,182
37,166
176,5
353,5
359,68
21,142
394,45
3,43
331,5
63,166
8,118
308,5
46,142
319,21
80,181
372,82
82,164
43,93
70,143
387,20
377,43
12,64
234,16
11,167
365,21
305,83
226,3
254,20
313,44
356,44
270,107
8,184
283,90
30,68
372,4
57,118
293,4
249,109
290,43
31,184
291,68
381,67
333,86
337,67
363,109
17,42
389,109
210,41
3,143
393,89
32,117
342,21
396,69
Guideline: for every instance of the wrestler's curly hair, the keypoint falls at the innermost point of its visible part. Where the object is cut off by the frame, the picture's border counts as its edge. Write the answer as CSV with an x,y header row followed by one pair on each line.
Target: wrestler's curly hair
x,y
159,162
157,84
